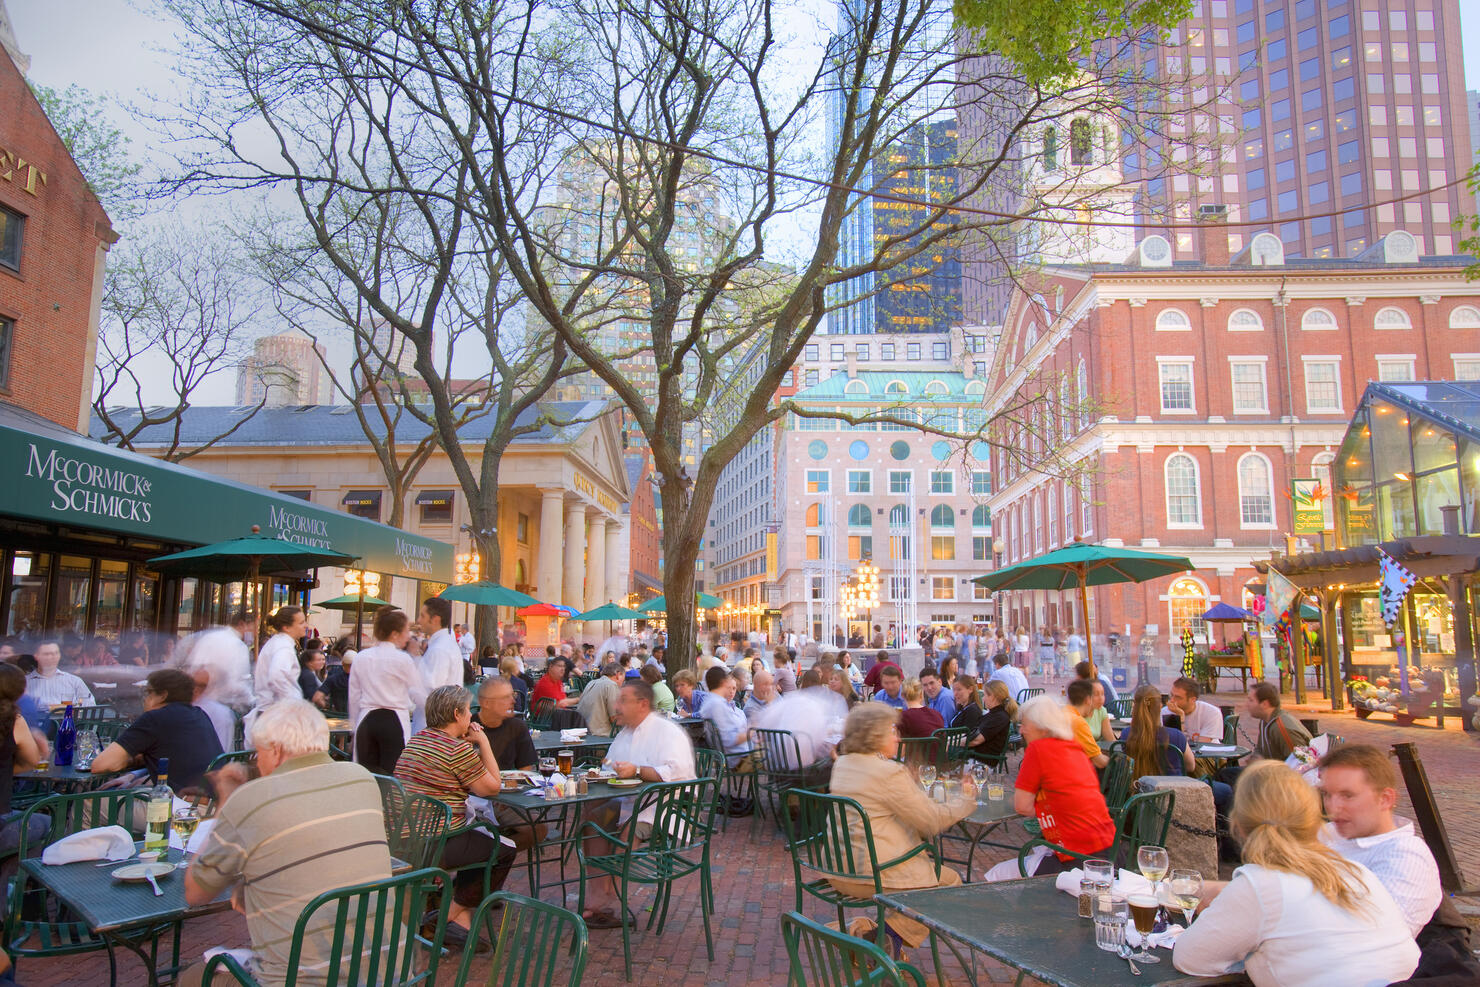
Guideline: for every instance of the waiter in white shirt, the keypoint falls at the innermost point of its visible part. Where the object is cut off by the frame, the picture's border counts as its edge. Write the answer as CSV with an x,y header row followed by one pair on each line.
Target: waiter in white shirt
x,y
276,676
442,661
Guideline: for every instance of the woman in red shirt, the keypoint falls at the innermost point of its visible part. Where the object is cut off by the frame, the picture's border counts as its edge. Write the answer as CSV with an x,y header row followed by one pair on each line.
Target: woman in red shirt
x,y
551,685
917,719
1057,784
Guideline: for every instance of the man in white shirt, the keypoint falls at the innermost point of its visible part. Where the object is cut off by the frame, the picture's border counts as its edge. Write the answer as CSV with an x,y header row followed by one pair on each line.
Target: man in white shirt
x,y
50,686
1009,676
653,748
442,661
1200,720
466,643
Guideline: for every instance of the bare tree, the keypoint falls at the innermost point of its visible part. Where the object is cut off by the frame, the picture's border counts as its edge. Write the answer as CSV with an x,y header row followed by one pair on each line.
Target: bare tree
x,y
616,164
175,306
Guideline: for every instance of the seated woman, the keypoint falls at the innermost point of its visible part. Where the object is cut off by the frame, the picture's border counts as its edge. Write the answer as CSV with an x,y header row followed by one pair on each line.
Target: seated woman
x,y
838,681
917,719
448,761
662,695
21,749
509,669
1057,784
968,711
1156,749
1296,912
900,814
995,727
170,727
311,664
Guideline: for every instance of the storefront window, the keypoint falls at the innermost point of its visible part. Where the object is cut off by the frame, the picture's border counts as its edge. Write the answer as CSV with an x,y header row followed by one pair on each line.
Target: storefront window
x,y
1433,447
112,594
1189,601
1395,515
1371,644
146,600
185,616
1436,491
1469,468
26,608
74,586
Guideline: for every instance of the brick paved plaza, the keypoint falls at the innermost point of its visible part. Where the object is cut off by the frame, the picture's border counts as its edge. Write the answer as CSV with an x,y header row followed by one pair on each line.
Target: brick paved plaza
x,y
753,882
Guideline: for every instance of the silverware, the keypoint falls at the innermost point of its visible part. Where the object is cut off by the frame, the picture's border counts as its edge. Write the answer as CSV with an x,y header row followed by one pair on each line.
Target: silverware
x,y
149,873
117,863
1125,954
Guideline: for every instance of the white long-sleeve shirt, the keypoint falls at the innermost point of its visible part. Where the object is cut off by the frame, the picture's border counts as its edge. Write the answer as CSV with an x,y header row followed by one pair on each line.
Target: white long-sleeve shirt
x,y
1281,931
385,677
58,688
658,743
1402,862
276,676
440,664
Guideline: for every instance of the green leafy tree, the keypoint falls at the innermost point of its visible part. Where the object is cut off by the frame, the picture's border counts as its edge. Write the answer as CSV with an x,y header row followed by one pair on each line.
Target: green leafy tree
x,y
1045,40
1470,224
100,149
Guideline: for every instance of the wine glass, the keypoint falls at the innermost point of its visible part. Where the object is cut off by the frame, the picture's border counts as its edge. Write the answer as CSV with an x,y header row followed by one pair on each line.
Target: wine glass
x,y
547,766
1143,912
927,775
979,772
183,822
1186,890
1153,862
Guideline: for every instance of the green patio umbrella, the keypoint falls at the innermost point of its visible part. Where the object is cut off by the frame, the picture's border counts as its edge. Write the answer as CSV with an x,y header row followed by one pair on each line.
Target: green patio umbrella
x,y
247,558
659,605
487,594
353,603
1080,566
610,611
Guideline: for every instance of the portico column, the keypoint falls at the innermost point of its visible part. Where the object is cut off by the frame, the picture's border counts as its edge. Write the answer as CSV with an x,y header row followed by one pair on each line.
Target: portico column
x,y
616,585
552,509
575,557
595,561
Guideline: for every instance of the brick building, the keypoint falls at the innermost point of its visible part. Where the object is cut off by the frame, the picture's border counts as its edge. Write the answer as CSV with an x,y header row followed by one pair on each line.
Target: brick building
x,y
54,238
1184,397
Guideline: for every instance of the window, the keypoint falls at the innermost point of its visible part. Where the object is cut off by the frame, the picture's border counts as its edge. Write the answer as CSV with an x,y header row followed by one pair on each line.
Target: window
x,y
1319,192
1284,171
940,350
943,548
812,517
860,547
1307,39
899,481
812,351
816,545
981,517
1250,395
7,332
521,529
861,350
12,226
436,506
898,515
912,352
363,503
1050,149
942,517
981,480
1245,320
1279,110
886,351
936,388
942,587
1351,184
1317,319
860,481
981,548
304,495
859,516
855,386
1465,317
1068,510
1392,318
1184,502
818,481
1176,386
810,378
1395,368
835,351
1466,366
1341,57
942,482
1310,100
1255,492
1173,320
1322,387
1081,142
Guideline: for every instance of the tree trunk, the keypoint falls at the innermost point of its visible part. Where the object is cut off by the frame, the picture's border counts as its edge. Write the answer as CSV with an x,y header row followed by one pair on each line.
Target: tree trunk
x,y
680,558
490,559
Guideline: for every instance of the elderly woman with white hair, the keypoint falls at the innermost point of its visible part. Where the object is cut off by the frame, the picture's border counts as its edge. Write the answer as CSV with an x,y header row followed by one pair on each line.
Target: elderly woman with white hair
x,y
1057,784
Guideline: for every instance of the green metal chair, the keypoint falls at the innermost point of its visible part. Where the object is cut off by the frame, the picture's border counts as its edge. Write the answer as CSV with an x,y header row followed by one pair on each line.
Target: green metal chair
x,y
823,957
1120,709
781,769
1025,694
392,806
1230,728
1145,819
713,762
821,842
48,931
340,742
364,935
952,747
529,936
1115,780
682,828
422,830
920,750
542,717
249,758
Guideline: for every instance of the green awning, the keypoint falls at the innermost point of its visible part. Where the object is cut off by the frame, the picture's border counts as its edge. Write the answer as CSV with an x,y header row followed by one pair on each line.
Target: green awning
x,y
64,478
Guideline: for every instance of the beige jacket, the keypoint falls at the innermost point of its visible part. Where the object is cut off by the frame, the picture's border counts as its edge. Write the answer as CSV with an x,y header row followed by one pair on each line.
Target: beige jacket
x,y
900,813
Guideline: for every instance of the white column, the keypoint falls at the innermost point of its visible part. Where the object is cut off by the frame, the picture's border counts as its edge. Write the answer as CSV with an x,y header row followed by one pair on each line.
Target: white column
x,y
616,582
547,577
596,591
575,557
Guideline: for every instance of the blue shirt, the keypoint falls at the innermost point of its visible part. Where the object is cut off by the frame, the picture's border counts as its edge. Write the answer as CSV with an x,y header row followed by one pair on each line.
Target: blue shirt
x,y
944,704
696,702
883,697
32,712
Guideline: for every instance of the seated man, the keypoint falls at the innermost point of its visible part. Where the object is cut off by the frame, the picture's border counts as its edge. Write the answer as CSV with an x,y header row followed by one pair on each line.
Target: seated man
x,y
729,722
1200,721
274,876
598,703
170,728
652,748
880,665
1009,676
333,692
762,694
448,761
512,746
551,685
937,696
1279,731
891,684
1081,699
1083,669
50,686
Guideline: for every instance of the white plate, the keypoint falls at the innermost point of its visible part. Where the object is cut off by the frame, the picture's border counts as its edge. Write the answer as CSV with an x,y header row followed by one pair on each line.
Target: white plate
x,y
138,873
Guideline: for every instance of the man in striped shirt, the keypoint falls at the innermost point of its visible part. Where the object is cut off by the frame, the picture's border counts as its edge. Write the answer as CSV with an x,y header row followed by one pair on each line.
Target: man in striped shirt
x,y
307,825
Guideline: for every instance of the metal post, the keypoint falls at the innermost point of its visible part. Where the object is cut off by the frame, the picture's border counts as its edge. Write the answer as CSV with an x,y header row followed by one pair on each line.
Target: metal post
x,y
1335,691
1464,642
1298,650
1426,811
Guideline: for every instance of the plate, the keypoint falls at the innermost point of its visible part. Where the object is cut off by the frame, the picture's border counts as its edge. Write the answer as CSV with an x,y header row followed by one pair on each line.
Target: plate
x,y
137,873
625,782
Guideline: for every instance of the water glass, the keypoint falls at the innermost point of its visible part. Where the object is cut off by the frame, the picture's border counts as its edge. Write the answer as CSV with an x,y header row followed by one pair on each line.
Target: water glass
x,y
996,791
1111,915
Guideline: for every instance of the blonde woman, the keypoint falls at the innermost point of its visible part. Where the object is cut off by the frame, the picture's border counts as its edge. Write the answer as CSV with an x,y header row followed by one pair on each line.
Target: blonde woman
x,y
1296,912
900,814
995,727
917,719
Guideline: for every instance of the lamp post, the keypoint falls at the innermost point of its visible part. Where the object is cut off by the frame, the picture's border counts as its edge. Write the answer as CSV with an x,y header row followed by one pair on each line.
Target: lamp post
x,y
468,568
866,579
361,583
998,547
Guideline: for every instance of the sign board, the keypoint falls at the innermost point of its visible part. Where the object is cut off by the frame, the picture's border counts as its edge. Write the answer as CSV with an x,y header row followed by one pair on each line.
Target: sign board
x,y
1308,498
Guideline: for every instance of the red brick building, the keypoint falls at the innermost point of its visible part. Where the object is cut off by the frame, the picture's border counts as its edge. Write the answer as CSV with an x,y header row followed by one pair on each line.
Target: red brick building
x,y
645,539
54,238
1182,399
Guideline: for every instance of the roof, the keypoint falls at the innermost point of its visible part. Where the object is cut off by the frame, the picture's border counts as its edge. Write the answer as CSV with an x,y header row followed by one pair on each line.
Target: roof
x,y
338,425
875,386
1451,403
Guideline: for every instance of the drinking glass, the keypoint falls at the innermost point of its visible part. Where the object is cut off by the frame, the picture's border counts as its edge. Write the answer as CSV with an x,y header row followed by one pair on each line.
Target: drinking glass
x,y
1110,914
996,791
1143,912
1186,890
927,775
564,760
547,766
183,822
1153,862
979,775
1101,872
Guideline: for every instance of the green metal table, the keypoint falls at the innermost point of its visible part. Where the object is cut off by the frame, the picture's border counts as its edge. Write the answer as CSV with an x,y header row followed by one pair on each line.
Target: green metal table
x,y
1034,928
1200,750
65,779
987,819
126,915
549,740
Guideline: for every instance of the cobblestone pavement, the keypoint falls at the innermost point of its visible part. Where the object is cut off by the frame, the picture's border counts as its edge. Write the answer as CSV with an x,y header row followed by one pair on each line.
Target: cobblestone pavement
x,y
753,882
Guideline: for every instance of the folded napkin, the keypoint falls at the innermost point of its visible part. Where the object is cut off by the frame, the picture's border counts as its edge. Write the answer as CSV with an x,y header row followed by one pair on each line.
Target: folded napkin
x,y
1162,940
574,736
1129,882
104,843
1215,749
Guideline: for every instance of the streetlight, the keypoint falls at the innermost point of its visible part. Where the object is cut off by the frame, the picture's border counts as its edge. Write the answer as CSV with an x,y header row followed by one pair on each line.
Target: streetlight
x,y
998,547
361,583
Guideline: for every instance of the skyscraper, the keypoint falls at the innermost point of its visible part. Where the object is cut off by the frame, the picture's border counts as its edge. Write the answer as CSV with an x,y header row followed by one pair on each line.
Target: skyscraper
x,y
285,369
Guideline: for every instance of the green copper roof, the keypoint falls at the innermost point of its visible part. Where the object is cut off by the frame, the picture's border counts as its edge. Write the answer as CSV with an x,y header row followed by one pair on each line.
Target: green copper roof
x,y
874,386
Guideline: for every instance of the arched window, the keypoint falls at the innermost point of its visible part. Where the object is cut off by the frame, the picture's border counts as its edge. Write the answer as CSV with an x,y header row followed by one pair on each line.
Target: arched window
x,y
1465,317
1317,319
859,516
1050,149
941,516
1255,491
1083,388
1245,320
981,517
1068,510
975,389
1392,318
1081,142
936,387
1320,468
1051,508
1173,320
814,515
1037,524
855,386
1184,498
899,515
896,387
521,573
1187,601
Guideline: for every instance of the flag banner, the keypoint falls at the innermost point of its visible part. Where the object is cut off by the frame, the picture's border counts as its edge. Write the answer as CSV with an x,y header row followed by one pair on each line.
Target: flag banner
x,y
1396,582
1279,593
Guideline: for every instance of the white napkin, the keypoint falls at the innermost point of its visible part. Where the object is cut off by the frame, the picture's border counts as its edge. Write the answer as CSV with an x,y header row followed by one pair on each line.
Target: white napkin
x,y
1162,940
197,838
1129,882
244,956
1216,749
104,843
573,736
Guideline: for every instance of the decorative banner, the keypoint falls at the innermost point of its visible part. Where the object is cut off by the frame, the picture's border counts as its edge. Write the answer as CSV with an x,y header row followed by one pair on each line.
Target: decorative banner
x,y
1279,592
1308,498
1189,652
1396,582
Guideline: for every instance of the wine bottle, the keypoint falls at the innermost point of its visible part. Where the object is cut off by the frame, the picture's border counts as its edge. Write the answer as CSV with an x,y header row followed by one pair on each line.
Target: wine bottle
x,y
66,739
161,807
